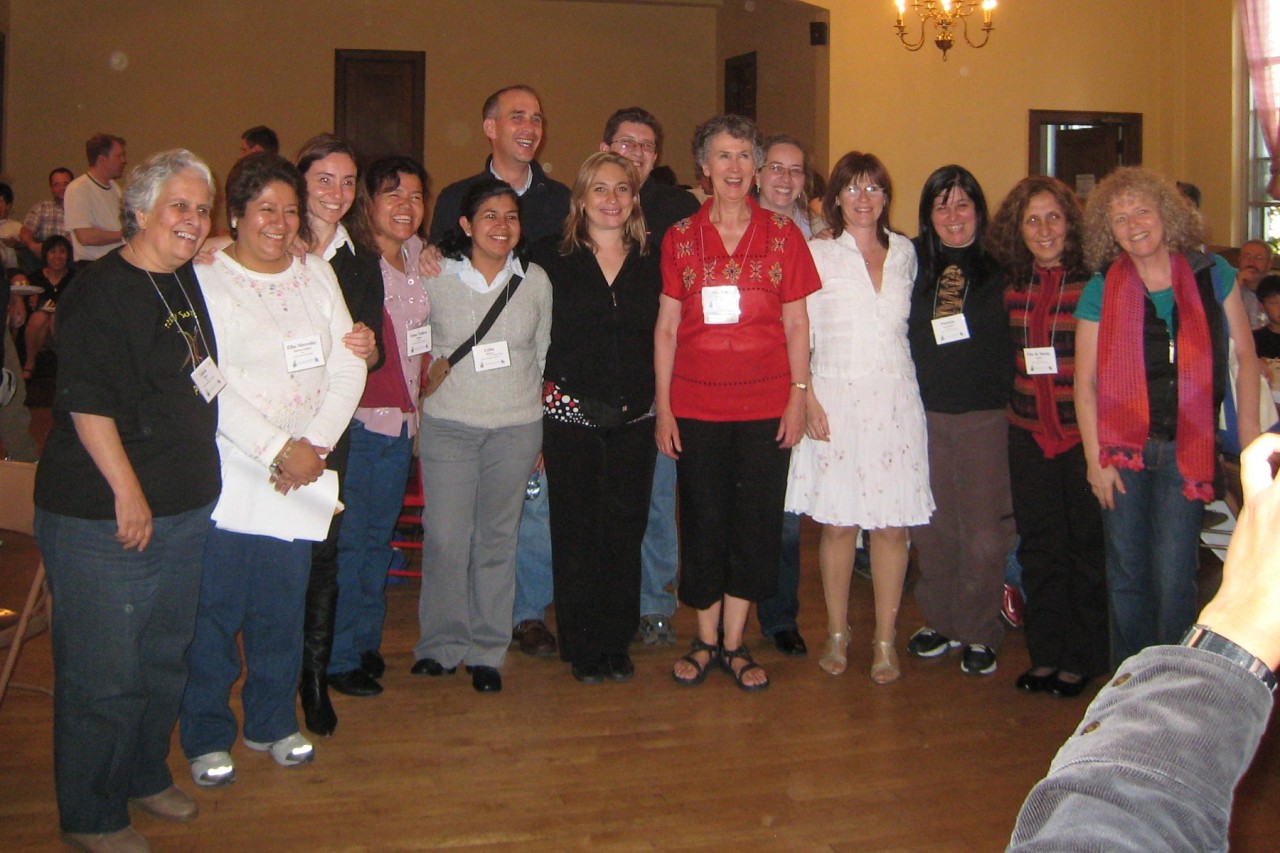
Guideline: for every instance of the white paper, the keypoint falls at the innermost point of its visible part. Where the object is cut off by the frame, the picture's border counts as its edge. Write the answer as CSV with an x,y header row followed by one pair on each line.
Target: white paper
x,y
250,504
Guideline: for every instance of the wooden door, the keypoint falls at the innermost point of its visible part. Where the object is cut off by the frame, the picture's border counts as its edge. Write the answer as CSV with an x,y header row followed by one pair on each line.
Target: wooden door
x,y
379,101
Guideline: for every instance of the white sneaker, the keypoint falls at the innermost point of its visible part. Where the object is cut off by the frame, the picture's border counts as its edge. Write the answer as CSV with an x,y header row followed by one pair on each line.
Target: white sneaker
x,y
213,769
288,751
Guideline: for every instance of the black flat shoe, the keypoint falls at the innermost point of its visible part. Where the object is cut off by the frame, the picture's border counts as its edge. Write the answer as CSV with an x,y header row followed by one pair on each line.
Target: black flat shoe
x,y
619,666
356,682
485,679
431,666
1032,683
592,672
790,643
372,663
1067,689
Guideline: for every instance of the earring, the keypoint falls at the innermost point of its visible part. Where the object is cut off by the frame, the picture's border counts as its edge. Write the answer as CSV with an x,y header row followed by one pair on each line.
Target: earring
x,y
234,223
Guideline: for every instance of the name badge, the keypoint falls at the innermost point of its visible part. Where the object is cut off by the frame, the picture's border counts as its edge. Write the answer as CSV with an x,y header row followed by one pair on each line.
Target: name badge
x,y
303,353
208,379
948,330
721,305
491,356
1040,360
420,340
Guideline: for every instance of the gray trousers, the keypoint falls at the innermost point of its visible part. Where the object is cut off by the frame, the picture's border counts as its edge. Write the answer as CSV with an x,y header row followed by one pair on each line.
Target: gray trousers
x,y
473,483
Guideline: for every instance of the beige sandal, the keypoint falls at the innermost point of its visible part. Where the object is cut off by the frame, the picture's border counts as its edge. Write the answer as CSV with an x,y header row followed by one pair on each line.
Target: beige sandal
x,y
835,655
884,662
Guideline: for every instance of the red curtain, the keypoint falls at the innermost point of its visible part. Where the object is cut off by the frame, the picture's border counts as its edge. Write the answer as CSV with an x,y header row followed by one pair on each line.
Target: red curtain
x,y
1260,20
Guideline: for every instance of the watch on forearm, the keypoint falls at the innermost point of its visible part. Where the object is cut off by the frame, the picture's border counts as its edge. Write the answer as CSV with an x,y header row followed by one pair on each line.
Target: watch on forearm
x,y
1200,637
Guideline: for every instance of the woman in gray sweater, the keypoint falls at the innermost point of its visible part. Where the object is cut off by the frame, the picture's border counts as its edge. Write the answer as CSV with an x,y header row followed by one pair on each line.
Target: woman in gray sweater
x,y
480,436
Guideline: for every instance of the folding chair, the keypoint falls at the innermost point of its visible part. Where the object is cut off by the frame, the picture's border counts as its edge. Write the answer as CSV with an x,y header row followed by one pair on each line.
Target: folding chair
x,y
17,513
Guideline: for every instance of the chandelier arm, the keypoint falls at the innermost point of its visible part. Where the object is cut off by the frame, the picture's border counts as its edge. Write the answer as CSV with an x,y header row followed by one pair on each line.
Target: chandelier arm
x,y
902,37
986,30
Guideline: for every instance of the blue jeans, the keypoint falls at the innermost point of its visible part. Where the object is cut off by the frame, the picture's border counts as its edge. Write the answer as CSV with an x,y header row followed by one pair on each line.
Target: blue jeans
x,y
256,584
534,586
779,612
377,470
660,550
1152,539
125,619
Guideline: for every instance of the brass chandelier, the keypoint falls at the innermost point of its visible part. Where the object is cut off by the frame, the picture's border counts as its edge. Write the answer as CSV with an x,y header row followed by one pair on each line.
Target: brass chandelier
x,y
947,16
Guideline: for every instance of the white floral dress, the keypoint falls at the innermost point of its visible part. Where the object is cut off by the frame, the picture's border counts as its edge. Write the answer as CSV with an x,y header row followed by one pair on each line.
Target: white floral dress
x,y
874,472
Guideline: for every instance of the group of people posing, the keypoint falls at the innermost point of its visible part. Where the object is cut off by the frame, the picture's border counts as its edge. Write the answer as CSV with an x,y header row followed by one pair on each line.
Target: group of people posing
x,y
543,352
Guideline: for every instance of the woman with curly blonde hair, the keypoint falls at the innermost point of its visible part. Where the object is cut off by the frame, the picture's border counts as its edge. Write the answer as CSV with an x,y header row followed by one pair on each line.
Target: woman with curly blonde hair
x,y
1152,332
1037,238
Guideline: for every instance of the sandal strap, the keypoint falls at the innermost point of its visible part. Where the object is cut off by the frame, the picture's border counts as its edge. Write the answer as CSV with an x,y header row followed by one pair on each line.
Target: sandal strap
x,y
699,646
741,652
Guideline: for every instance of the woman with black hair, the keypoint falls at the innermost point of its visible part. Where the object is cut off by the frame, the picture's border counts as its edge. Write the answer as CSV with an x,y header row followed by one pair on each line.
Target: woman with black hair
x,y
480,434
382,432
52,280
960,344
291,387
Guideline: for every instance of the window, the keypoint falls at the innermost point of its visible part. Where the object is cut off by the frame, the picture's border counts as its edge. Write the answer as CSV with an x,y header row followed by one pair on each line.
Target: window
x,y
1264,211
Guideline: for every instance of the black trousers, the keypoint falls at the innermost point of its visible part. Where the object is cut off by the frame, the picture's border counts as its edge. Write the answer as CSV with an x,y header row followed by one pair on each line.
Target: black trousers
x,y
1062,555
599,483
732,479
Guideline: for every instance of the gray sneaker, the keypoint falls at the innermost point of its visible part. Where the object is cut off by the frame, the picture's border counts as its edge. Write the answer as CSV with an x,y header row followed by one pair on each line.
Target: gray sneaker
x,y
657,630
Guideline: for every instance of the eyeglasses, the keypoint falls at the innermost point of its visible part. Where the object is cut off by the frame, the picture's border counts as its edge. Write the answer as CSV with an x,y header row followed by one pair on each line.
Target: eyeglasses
x,y
870,190
796,172
627,144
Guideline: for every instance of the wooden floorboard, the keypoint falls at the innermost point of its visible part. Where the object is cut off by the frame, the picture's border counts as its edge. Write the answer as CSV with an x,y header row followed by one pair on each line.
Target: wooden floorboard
x,y
936,763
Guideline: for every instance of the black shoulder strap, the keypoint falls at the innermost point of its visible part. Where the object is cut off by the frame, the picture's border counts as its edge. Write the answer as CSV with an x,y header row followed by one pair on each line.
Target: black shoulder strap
x,y
489,319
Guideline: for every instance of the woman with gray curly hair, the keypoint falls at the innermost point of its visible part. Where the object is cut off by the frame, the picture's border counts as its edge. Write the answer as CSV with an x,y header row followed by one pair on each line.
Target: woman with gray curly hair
x,y
1152,331
731,359
124,491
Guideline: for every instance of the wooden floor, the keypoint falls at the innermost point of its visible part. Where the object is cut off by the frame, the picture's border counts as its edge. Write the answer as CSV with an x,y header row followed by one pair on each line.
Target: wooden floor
x,y
938,762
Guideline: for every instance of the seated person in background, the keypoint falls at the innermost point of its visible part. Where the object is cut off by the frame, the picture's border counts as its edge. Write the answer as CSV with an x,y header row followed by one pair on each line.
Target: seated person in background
x,y
1266,340
1160,750
10,229
52,280
44,220
1253,262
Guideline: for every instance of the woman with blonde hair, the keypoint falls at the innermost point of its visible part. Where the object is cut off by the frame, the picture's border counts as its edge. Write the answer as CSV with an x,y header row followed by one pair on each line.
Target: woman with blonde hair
x,y
1151,372
597,433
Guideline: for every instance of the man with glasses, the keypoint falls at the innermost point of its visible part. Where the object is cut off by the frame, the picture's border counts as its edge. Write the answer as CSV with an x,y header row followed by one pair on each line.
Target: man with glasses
x,y
634,133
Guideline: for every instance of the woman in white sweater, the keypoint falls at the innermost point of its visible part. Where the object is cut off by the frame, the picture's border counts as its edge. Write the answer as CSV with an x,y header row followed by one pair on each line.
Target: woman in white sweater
x,y
480,436
291,388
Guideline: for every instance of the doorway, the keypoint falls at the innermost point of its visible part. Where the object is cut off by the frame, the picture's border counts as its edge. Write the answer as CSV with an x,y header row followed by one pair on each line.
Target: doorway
x,y
379,102
1082,148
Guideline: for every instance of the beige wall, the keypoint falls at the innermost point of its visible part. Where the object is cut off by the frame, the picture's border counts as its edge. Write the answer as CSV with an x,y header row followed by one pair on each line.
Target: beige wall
x,y
1171,60
791,94
201,71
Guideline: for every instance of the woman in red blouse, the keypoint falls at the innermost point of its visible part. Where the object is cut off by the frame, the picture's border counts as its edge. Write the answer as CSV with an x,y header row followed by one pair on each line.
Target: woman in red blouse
x,y
731,357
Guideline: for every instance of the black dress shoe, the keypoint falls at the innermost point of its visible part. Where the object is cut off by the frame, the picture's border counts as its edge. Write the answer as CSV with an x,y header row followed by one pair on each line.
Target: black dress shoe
x,y
1067,689
591,672
431,666
790,643
372,663
619,666
317,710
1032,683
355,682
485,679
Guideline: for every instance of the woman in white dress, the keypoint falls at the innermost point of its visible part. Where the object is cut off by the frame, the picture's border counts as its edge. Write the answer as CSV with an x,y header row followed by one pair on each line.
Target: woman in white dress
x,y
863,461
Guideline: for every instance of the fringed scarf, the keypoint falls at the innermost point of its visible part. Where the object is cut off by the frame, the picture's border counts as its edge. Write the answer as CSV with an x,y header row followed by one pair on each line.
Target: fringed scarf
x,y
1123,415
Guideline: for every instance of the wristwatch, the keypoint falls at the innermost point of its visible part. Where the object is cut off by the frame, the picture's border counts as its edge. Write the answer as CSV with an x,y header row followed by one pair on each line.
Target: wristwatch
x,y
1200,637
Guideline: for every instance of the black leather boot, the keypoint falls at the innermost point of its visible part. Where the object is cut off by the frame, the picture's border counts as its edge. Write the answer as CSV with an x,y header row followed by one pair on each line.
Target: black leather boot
x,y
317,637
317,710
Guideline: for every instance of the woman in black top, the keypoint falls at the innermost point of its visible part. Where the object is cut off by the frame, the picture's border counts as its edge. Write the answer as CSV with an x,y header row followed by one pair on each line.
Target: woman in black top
x,y
960,343
597,426
123,496
52,279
